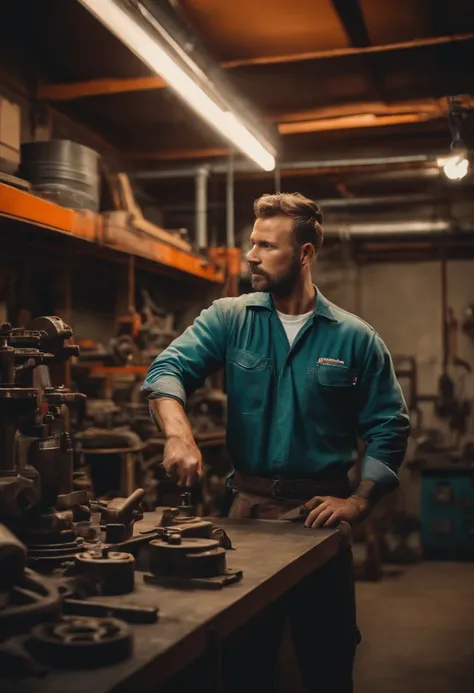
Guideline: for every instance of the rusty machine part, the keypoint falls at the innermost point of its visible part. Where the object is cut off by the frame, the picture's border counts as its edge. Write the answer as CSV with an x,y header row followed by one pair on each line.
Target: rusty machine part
x,y
189,561
26,599
32,599
190,557
37,500
129,613
113,570
78,642
186,509
12,558
121,515
184,519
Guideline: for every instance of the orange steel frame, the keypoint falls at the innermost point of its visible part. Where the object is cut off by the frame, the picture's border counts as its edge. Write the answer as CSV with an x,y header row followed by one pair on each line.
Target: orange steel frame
x,y
87,226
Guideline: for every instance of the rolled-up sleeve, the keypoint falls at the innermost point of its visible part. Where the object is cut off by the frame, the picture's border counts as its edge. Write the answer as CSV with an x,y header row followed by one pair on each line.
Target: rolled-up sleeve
x,y
384,422
183,366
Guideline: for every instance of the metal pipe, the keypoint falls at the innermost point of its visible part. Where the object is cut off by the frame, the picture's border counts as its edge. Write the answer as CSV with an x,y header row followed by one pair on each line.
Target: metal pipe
x,y
444,313
201,176
230,206
388,228
381,201
247,167
277,178
331,203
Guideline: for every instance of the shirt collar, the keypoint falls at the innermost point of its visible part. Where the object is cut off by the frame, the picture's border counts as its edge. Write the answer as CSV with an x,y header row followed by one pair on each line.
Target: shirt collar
x,y
323,307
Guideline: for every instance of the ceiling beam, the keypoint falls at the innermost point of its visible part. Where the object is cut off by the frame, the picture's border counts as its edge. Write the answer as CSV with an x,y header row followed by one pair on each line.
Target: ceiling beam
x,y
103,87
353,21
363,120
343,52
439,106
352,18
97,87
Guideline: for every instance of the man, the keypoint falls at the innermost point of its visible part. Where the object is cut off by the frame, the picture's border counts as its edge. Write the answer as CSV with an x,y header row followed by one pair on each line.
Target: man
x,y
305,381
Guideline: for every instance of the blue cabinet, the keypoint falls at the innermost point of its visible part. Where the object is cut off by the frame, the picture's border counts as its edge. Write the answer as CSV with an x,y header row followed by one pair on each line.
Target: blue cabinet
x,y
447,513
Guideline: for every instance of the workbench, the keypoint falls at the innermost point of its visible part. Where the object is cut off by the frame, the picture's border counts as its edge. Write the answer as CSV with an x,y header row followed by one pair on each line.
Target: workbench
x,y
273,555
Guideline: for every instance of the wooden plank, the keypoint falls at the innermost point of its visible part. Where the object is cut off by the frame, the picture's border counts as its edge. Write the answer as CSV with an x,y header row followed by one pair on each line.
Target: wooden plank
x,y
379,108
368,120
97,87
117,222
128,198
343,52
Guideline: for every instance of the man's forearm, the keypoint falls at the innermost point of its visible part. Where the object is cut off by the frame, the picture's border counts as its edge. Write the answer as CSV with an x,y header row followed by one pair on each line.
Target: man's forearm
x,y
171,417
370,492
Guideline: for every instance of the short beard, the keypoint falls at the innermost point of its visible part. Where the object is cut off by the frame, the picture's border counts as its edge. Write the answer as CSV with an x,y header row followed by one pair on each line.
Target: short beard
x,y
283,285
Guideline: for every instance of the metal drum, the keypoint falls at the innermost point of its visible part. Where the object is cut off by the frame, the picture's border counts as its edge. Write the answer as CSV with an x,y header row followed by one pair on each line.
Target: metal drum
x,y
64,172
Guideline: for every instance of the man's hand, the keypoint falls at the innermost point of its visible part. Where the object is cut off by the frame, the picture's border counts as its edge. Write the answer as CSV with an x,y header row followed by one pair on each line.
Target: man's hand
x,y
181,455
327,511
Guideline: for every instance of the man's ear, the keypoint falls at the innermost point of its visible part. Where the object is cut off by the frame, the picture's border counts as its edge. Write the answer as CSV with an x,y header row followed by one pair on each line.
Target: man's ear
x,y
307,253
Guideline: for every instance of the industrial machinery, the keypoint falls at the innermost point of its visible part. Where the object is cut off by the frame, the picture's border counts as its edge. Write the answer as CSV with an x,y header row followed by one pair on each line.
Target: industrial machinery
x,y
189,551
38,501
58,547
40,513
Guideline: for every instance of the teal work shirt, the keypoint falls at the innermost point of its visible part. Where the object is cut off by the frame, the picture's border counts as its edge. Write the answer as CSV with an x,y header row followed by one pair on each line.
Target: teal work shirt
x,y
293,412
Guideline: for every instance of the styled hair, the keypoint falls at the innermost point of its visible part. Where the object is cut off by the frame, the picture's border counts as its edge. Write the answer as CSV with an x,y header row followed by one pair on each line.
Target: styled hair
x,y
306,215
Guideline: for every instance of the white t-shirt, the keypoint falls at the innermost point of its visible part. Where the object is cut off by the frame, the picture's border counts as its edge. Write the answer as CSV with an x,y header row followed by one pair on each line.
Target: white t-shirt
x,y
292,324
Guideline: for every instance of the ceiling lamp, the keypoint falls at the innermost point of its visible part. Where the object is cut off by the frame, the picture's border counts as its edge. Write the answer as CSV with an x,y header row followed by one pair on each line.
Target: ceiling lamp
x,y
454,167
150,50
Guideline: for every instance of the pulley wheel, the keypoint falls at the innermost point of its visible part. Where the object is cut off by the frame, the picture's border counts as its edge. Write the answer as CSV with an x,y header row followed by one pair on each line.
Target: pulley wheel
x,y
187,545
192,557
114,570
76,642
46,557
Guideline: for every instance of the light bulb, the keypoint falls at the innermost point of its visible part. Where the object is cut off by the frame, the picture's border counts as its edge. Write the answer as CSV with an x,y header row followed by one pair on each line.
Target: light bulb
x,y
454,167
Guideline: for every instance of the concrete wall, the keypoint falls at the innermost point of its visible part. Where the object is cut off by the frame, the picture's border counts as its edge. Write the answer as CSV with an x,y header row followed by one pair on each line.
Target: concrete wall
x,y
403,302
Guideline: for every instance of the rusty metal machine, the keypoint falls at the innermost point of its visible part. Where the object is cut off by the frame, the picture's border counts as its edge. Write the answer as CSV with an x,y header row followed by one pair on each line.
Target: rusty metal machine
x,y
50,526
189,551
40,511
37,499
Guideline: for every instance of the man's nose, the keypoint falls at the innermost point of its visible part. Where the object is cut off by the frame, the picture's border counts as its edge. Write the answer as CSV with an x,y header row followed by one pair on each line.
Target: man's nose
x,y
253,257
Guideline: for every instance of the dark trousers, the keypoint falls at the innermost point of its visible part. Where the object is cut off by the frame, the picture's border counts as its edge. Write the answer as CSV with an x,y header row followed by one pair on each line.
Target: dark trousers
x,y
319,613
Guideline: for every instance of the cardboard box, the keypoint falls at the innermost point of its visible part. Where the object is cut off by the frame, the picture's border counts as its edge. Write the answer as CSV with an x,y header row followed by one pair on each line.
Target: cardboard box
x,y
9,133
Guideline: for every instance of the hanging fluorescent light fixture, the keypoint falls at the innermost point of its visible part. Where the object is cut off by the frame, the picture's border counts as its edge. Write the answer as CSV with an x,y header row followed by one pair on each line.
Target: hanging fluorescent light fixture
x,y
149,50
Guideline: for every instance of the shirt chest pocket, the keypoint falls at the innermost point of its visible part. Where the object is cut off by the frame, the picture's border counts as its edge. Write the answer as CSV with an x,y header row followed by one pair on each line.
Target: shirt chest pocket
x,y
331,397
248,381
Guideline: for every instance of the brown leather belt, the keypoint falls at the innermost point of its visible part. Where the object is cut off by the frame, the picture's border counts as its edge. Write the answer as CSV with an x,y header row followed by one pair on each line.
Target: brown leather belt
x,y
294,489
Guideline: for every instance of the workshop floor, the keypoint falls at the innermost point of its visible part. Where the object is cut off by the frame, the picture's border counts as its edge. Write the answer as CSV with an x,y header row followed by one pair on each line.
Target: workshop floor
x,y
418,631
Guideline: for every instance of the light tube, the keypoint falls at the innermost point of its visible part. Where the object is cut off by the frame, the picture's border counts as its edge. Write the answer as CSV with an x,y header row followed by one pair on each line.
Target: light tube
x,y
148,49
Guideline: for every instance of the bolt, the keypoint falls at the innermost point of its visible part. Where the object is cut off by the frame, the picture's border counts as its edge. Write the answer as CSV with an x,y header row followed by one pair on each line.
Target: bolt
x,y
105,552
186,498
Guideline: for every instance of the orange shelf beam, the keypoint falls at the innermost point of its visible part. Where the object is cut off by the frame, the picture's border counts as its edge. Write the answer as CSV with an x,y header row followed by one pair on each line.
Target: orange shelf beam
x,y
88,226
